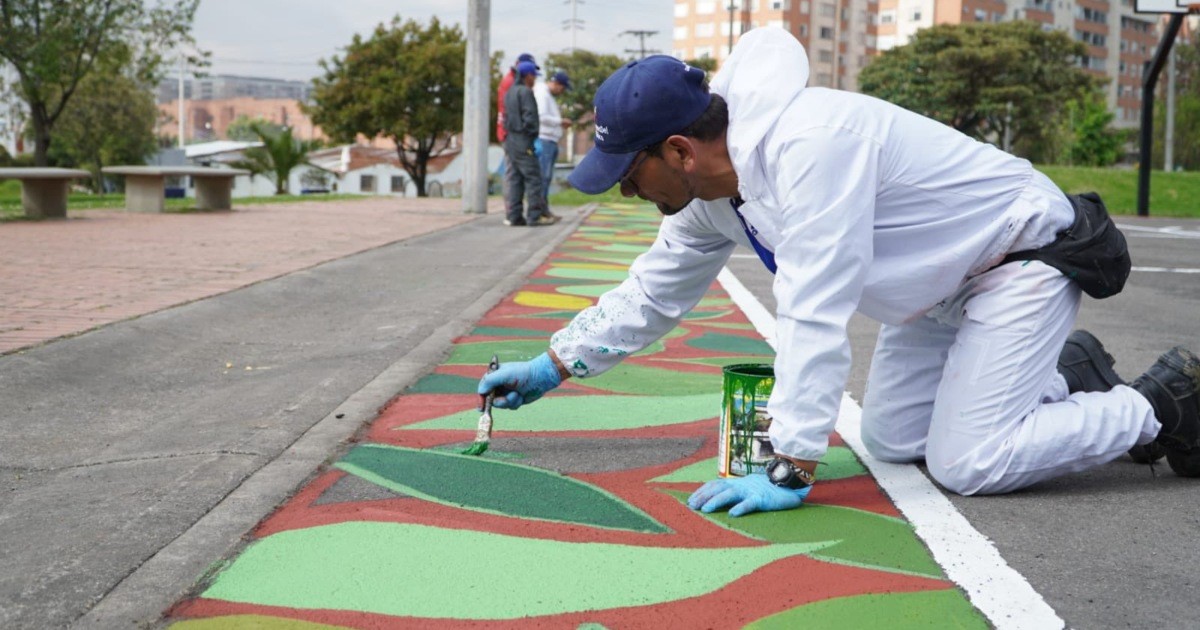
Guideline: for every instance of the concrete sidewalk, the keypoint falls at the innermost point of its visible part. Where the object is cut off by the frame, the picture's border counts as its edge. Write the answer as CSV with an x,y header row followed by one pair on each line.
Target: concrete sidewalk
x,y
118,442
65,277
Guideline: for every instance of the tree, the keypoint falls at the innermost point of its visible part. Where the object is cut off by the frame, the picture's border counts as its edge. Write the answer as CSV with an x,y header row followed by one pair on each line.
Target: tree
x,y
1091,138
707,64
54,44
1187,110
110,120
242,128
587,71
986,80
279,155
405,83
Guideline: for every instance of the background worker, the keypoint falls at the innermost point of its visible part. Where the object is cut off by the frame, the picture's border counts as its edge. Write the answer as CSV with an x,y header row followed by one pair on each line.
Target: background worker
x,y
858,205
521,149
551,126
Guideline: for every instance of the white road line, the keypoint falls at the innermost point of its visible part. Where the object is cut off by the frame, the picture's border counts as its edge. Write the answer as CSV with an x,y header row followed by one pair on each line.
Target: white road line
x,y
969,559
1166,231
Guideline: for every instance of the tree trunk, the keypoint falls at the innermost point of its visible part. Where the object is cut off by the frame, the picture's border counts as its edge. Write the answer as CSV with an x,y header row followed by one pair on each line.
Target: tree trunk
x,y
41,139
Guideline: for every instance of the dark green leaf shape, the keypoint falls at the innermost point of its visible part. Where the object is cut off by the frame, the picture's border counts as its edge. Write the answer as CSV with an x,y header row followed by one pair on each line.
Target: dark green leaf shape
x,y
484,485
866,539
943,609
445,384
732,344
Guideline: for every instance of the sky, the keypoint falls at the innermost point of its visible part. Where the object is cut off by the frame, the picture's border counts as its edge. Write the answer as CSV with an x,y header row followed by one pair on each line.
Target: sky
x,y
284,38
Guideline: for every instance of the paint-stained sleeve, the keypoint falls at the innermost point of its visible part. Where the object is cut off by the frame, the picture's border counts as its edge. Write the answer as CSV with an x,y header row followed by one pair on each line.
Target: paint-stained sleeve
x,y
663,284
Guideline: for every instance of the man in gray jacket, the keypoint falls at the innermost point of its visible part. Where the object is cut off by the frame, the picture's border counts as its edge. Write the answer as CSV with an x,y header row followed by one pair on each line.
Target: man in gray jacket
x,y
520,149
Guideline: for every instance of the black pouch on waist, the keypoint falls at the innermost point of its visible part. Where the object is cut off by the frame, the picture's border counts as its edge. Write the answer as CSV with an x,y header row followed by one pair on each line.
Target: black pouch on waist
x,y
1092,252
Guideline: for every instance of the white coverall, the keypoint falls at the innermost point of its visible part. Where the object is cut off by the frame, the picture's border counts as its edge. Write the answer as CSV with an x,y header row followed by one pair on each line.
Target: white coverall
x,y
869,207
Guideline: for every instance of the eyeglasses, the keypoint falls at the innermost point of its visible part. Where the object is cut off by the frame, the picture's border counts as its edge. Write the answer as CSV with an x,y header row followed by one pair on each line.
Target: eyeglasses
x,y
632,169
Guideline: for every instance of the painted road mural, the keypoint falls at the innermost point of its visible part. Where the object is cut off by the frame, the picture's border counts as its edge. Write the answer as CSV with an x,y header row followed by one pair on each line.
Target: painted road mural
x,y
575,516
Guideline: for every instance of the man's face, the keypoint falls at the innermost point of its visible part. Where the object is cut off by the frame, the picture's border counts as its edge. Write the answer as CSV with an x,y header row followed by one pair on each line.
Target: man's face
x,y
529,79
659,180
556,88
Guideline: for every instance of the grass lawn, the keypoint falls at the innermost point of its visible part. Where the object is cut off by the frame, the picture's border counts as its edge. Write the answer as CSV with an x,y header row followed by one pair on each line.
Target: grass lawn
x,y
1171,194
10,201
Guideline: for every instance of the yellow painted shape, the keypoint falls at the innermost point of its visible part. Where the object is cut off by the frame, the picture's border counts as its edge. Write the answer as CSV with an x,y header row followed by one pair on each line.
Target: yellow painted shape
x,y
551,300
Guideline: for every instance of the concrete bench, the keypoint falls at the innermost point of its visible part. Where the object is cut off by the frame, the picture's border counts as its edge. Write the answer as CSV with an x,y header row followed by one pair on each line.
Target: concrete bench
x,y
44,190
145,186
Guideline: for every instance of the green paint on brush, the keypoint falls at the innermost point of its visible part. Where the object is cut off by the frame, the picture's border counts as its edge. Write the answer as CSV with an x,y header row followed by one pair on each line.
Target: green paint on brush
x,y
943,609
250,622
420,571
494,487
588,413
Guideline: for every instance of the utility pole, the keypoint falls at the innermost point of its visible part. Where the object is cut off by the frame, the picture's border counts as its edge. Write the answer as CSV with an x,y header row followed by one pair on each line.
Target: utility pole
x,y
641,50
732,6
182,109
476,107
574,24
1169,132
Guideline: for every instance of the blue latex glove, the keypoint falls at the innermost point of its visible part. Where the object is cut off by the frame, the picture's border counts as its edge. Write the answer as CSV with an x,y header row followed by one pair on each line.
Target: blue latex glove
x,y
522,382
752,493
537,147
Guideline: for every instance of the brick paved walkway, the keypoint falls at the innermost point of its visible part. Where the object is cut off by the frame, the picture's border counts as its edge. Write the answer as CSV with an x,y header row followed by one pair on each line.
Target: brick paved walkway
x,y
64,277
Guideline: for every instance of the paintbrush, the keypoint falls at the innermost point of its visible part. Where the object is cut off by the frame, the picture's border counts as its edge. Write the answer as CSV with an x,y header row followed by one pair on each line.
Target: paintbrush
x,y
483,432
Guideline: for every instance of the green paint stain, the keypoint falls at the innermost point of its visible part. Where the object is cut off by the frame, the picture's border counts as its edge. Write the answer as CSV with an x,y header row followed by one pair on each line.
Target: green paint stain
x,y
947,609
250,622
615,275
588,413
480,353
445,384
866,539
839,462
419,571
494,487
587,290
733,344
629,378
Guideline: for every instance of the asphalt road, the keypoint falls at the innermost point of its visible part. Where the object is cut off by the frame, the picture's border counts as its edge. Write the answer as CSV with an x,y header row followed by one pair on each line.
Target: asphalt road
x,y
1116,546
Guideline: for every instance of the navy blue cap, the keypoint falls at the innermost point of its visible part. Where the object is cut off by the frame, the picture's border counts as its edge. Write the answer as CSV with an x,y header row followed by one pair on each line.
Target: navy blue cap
x,y
562,79
642,103
527,67
528,57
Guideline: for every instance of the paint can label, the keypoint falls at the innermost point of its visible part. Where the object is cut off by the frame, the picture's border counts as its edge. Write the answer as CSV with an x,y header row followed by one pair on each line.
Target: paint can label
x,y
744,445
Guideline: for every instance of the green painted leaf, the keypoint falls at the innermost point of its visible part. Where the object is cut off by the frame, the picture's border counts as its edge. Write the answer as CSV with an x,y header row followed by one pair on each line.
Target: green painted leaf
x,y
588,413
943,609
616,275
630,378
839,462
486,485
733,344
866,539
480,353
420,571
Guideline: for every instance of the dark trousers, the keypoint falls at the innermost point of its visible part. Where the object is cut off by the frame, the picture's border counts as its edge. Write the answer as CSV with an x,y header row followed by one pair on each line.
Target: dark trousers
x,y
523,179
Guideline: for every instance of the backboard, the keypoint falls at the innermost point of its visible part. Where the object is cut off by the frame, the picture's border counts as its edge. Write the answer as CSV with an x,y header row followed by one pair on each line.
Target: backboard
x,y
1160,6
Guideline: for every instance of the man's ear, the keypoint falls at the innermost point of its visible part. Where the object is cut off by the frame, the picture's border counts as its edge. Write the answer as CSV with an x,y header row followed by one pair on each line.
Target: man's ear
x,y
683,149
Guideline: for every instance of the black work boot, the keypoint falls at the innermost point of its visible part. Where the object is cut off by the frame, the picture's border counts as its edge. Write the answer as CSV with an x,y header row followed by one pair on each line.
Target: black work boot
x,y
1085,364
1172,385
1089,368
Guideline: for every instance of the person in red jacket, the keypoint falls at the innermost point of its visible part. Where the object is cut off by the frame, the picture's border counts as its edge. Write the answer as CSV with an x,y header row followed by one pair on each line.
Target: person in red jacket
x,y
505,83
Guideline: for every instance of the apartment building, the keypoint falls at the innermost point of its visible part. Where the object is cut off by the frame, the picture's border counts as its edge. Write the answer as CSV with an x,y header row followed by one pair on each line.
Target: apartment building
x,y
842,35
1119,41
839,35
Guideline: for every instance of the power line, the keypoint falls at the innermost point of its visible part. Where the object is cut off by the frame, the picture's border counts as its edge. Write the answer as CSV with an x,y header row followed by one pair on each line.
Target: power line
x,y
641,35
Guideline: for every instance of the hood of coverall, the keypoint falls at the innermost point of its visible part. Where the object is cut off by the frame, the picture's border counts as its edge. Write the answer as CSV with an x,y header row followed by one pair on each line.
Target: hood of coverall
x,y
762,77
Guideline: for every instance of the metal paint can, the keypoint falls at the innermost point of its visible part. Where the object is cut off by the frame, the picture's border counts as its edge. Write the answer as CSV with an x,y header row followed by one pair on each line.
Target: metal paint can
x,y
744,446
